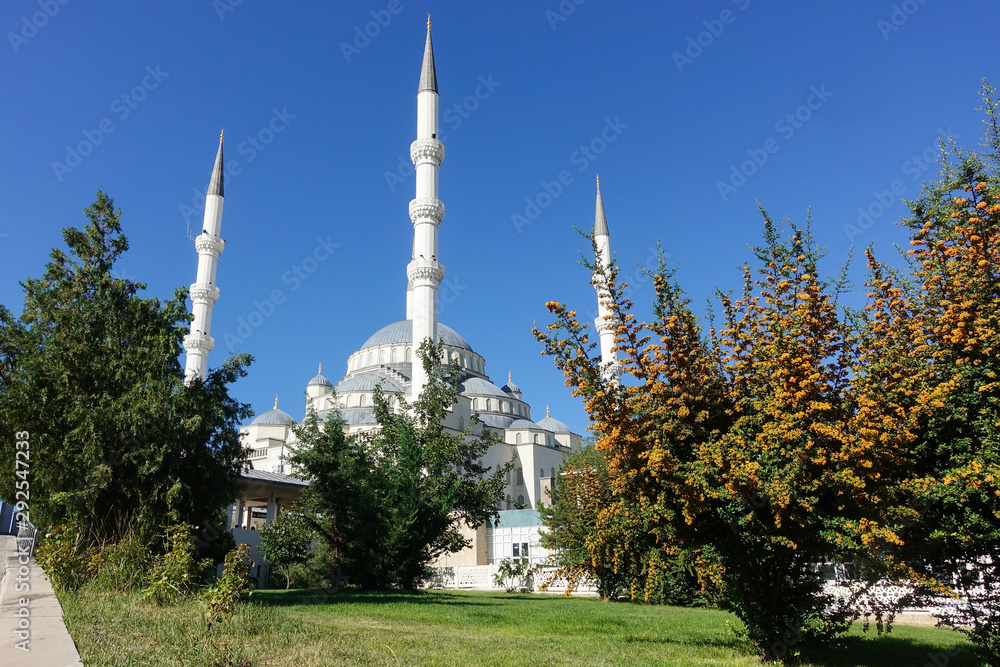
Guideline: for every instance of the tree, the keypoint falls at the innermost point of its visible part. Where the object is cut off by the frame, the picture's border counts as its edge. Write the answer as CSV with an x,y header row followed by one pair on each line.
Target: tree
x,y
933,338
285,542
394,500
729,451
90,373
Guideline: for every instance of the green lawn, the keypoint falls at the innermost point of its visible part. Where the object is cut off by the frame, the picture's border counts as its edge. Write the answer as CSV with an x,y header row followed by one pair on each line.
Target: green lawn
x,y
452,628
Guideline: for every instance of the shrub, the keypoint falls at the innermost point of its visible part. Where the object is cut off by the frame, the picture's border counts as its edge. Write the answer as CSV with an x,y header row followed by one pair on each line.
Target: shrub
x,y
122,566
64,556
175,574
515,576
222,597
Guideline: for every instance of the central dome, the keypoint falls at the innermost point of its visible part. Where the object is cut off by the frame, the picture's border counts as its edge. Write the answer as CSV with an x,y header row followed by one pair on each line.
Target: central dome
x,y
402,332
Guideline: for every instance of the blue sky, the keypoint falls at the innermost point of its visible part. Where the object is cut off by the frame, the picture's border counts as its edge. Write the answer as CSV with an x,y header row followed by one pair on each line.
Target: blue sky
x,y
836,106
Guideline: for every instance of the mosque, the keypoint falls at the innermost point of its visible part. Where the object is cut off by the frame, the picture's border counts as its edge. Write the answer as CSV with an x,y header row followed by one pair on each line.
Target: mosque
x,y
388,358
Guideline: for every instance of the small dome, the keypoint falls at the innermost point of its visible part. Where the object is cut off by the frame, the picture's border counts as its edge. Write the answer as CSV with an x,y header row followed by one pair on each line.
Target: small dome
x,y
510,387
274,417
554,425
495,421
319,380
522,424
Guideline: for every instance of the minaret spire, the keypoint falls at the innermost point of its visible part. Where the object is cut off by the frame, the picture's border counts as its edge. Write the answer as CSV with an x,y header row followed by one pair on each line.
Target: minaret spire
x,y
204,292
425,272
605,327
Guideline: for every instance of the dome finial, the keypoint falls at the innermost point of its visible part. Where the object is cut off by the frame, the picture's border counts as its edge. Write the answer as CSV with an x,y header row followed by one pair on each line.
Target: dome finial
x,y
321,368
222,133
428,21
275,401
508,377
547,410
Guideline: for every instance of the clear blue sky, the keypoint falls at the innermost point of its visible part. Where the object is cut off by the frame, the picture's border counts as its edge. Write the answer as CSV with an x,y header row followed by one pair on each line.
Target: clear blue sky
x,y
684,90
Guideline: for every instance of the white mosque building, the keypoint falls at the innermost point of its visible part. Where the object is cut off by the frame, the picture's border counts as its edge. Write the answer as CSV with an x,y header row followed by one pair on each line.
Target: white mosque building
x,y
388,358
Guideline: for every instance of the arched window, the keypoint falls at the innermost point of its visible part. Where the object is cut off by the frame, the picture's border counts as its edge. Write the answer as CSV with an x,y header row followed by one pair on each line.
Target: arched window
x,y
520,477
520,500
370,358
489,405
461,423
508,502
538,438
393,355
350,399
541,473
381,356
517,439
407,355
475,404
361,401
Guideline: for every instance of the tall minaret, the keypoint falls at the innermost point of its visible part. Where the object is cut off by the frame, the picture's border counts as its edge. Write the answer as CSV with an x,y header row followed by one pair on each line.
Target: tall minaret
x,y
605,327
204,293
425,272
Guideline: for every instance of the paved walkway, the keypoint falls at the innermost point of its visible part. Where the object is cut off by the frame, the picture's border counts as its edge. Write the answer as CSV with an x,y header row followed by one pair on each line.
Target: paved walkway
x,y
48,641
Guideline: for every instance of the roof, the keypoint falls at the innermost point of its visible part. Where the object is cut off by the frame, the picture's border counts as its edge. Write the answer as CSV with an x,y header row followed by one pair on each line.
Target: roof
x,y
480,387
368,382
554,425
275,417
495,421
402,332
358,416
522,423
272,478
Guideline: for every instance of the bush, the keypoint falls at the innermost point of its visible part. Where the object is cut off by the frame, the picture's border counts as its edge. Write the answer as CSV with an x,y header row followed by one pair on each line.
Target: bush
x,y
515,576
124,566
222,597
64,556
175,574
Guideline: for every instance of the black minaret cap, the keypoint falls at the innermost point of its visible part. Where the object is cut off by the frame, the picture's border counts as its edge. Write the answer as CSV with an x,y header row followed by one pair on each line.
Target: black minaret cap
x,y
428,77
216,185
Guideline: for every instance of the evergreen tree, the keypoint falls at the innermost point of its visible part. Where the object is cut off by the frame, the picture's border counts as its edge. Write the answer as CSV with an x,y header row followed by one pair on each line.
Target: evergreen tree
x,y
90,372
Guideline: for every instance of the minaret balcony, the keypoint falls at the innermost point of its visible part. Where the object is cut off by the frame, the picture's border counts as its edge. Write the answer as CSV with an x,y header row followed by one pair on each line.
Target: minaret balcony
x,y
424,151
426,209
202,293
198,341
605,324
425,272
212,245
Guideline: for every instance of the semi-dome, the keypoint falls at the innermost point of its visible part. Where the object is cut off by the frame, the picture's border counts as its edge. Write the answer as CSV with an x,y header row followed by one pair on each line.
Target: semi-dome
x,y
368,382
495,421
273,417
402,332
474,386
519,424
554,425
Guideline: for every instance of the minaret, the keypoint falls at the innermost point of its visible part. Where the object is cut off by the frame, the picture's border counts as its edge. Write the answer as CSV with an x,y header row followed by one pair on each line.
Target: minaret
x,y
204,293
425,272
605,327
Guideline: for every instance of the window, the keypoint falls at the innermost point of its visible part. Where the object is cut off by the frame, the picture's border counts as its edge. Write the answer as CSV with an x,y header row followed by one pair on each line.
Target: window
x,y
517,550
520,500
541,472
489,405
407,355
370,358
517,439
475,404
520,479
381,356
508,503
538,438
393,355
524,549
461,423
361,401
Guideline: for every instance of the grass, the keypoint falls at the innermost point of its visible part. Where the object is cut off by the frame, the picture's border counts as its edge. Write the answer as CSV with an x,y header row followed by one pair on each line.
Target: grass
x,y
304,628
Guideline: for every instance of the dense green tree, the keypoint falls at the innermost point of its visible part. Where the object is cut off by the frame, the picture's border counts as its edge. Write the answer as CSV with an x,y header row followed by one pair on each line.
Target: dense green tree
x,y
395,499
285,542
89,375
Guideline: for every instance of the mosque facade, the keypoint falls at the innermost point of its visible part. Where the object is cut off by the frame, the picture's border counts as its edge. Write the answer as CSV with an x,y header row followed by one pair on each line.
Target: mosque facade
x,y
388,358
